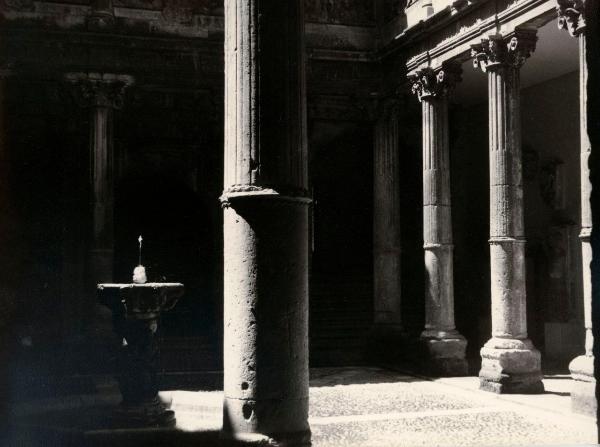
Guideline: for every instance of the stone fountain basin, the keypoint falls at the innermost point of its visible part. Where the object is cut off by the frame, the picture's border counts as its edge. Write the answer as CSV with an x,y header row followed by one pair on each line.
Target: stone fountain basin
x,y
141,301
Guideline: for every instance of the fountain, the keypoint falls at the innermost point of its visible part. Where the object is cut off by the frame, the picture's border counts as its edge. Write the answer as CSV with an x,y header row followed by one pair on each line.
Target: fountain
x,y
136,309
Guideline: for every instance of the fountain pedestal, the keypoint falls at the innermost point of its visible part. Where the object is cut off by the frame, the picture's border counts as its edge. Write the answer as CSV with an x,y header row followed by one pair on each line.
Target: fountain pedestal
x,y
136,309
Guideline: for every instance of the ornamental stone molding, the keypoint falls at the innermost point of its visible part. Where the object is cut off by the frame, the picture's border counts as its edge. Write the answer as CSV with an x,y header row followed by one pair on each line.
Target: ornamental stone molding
x,y
99,89
571,16
427,82
497,50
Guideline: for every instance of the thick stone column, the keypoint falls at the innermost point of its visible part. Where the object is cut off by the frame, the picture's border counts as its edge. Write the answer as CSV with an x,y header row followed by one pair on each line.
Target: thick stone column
x,y
583,398
510,363
265,206
444,346
387,281
101,93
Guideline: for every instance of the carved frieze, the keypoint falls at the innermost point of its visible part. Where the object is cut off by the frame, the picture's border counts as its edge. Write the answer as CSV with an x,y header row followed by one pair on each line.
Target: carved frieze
x,y
570,16
427,82
99,89
349,12
18,5
497,50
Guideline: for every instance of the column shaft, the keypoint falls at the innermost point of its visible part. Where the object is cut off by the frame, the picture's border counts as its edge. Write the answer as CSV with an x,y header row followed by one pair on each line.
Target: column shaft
x,y
437,218
583,394
510,363
386,225
101,178
445,347
265,223
586,190
507,238
101,93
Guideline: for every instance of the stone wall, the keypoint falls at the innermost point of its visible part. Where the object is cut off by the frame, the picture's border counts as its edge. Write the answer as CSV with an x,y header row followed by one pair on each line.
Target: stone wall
x,y
552,215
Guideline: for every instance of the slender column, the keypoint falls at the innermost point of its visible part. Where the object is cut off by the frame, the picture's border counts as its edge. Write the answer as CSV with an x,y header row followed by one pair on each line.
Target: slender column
x,y
387,291
510,363
101,93
444,346
583,398
265,209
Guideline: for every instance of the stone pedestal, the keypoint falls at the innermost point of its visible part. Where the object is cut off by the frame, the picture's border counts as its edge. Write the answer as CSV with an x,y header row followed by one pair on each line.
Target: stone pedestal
x,y
266,223
387,252
444,346
510,363
136,310
583,395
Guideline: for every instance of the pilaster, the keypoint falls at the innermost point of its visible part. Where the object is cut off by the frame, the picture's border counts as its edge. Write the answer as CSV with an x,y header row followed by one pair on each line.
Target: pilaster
x,y
101,93
387,250
444,346
510,363
266,225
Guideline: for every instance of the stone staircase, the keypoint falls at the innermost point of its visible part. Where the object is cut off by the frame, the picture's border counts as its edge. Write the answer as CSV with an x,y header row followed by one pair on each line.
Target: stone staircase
x,y
341,313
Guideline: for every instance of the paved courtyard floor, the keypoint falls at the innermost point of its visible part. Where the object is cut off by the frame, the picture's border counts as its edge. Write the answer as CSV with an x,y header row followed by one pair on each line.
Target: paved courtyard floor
x,y
373,407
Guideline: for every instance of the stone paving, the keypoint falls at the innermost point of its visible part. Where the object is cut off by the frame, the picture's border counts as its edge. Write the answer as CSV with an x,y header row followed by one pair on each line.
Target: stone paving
x,y
371,407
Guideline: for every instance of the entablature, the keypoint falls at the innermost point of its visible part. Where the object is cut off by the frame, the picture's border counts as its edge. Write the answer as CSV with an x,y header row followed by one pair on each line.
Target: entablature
x,y
454,40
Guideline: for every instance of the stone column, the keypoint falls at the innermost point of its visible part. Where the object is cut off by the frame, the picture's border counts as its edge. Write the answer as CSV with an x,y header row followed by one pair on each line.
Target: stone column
x,y
101,93
387,292
583,398
444,346
265,210
510,363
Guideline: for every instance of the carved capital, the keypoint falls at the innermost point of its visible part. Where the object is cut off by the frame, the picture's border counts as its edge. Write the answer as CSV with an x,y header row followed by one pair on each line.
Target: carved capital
x,y
99,89
426,82
496,50
571,16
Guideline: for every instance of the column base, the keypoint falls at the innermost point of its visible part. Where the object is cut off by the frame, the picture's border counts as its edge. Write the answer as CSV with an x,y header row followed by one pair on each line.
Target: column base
x,y
298,439
280,422
444,353
510,366
583,393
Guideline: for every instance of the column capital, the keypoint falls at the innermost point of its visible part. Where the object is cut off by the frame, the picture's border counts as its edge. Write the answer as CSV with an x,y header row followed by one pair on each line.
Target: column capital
x,y
571,16
429,83
99,89
497,50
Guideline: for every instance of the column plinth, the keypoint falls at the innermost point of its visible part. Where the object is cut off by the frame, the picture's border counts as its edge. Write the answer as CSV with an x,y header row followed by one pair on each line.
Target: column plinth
x,y
583,394
444,346
510,362
266,224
